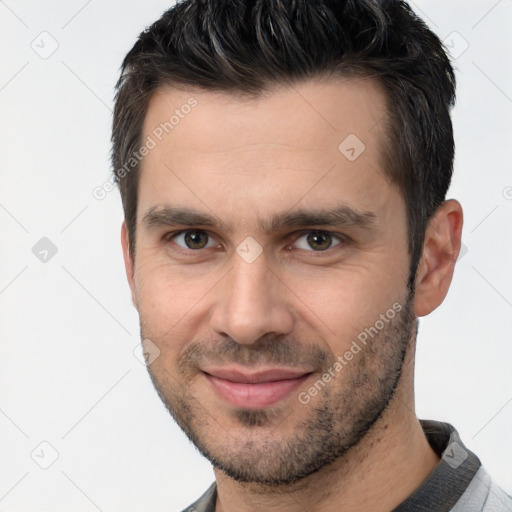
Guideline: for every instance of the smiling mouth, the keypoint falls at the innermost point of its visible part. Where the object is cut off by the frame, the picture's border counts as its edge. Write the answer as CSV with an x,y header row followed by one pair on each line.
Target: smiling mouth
x,y
255,390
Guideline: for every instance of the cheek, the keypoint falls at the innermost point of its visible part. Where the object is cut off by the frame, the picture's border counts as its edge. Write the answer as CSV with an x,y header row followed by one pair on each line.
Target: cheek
x,y
341,303
169,301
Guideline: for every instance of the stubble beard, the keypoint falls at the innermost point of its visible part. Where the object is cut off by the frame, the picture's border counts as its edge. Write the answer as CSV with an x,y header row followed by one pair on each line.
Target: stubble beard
x,y
338,418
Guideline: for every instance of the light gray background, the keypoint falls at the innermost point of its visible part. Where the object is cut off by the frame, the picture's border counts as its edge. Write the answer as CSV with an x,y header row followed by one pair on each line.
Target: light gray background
x,y
68,373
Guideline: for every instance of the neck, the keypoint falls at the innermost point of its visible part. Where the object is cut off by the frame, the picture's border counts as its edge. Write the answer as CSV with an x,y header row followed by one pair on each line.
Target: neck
x,y
384,468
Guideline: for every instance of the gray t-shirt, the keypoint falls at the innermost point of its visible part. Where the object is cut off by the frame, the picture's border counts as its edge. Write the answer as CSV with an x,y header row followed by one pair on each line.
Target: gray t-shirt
x,y
458,483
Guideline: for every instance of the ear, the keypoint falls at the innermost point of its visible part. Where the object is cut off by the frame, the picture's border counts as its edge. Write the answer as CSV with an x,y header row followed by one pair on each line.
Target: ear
x,y
440,251
129,263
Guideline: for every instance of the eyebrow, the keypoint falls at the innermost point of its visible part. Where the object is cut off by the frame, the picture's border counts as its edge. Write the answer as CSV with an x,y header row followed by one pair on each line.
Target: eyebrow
x,y
340,217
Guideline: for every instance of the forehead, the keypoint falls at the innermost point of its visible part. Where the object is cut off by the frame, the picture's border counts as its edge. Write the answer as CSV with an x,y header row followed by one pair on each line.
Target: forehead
x,y
307,109
290,144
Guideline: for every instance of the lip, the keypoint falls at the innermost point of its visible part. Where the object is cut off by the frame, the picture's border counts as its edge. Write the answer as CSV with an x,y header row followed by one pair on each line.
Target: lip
x,y
255,390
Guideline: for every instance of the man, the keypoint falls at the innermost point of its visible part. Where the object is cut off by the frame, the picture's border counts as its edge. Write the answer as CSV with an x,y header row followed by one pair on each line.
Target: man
x,y
283,167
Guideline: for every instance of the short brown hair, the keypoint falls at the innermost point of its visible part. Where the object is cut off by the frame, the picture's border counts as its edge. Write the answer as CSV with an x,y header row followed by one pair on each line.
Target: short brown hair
x,y
244,47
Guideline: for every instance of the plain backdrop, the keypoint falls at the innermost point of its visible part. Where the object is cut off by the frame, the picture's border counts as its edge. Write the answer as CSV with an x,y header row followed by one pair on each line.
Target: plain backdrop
x,y
74,397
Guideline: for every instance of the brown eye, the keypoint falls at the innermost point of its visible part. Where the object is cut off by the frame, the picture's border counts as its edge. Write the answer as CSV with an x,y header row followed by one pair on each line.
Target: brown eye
x,y
319,241
196,239
193,239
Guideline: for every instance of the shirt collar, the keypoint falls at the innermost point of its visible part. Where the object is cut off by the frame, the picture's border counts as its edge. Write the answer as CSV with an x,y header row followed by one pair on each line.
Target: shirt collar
x,y
439,492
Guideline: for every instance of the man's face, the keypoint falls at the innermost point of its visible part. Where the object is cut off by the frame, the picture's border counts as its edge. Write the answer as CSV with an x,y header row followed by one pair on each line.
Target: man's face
x,y
265,254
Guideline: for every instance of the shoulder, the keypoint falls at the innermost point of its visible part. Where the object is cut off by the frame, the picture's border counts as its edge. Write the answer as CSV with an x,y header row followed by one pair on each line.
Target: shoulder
x,y
483,495
206,503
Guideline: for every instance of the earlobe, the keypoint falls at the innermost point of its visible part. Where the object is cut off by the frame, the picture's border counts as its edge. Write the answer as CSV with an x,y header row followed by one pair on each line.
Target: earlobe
x,y
129,263
440,251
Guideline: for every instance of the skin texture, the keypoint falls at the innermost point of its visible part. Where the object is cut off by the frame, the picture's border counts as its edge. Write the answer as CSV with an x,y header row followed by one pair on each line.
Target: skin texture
x,y
242,162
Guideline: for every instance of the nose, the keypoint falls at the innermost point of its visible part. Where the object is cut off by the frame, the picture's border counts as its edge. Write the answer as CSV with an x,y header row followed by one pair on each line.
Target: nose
x,y
251,302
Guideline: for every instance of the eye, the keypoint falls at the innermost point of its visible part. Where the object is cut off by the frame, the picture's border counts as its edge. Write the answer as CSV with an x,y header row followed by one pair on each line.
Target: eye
x,y
194,239
317,241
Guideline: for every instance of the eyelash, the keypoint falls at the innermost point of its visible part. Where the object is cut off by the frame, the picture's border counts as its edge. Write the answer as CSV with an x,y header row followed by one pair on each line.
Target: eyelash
x,y
341,238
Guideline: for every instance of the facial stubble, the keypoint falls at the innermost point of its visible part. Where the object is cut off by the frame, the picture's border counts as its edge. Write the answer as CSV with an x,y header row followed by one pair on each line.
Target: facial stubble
x,y
338,417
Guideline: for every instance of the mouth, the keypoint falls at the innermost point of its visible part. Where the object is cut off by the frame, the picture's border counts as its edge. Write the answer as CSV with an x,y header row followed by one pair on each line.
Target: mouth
x,y
255,390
